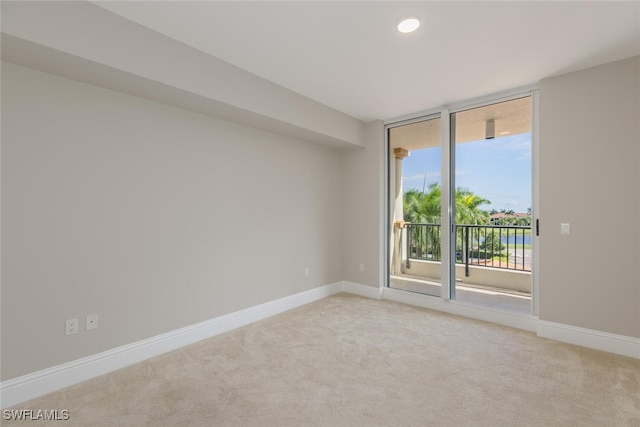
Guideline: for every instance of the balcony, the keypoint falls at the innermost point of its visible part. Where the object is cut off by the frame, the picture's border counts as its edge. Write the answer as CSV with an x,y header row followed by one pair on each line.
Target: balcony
x,y
493,263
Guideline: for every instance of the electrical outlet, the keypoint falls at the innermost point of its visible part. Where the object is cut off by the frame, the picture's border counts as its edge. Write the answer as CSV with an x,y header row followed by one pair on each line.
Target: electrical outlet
x,y
306,272
92,321
71,326
361,267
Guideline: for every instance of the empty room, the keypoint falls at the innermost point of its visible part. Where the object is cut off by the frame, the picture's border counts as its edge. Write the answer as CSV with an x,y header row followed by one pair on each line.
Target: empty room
x,y
320,213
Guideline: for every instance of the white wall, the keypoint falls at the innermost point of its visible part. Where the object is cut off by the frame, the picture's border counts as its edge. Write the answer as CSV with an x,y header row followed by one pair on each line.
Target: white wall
x,y
362,209
145,214
119,54
589,163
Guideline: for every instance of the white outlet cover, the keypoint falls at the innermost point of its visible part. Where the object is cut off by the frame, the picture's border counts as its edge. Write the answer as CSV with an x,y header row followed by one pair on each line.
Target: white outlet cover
x,y
71,327
92,321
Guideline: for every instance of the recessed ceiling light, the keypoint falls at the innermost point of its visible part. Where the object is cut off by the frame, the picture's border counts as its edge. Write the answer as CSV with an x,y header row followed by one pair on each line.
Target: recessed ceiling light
x,y
409,25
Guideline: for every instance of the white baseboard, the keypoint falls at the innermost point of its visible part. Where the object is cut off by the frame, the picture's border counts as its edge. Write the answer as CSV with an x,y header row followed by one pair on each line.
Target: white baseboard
x,y
597,340
514,320
612,343
362,290
30,386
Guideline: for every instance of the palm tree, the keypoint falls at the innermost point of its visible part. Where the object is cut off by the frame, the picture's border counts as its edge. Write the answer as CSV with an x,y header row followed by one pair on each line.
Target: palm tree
x,y
424,207
421,207
468,207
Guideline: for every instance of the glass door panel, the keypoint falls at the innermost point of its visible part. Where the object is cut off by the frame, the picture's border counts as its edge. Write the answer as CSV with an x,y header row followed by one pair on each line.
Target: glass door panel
x,y
415,248
491,205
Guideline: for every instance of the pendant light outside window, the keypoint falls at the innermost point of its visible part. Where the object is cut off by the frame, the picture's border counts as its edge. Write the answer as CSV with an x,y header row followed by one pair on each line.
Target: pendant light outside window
x,y
490,129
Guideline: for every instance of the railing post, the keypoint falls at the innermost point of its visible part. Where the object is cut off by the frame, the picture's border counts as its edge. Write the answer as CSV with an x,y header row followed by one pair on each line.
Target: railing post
x,y
523,249
408,245
466,251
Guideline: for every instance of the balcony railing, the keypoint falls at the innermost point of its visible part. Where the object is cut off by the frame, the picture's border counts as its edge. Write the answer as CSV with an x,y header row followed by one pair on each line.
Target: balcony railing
x,y
496,246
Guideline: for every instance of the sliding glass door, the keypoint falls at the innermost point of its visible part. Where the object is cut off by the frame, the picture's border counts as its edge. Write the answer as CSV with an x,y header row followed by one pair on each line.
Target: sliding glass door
x,y
460,205
491,161
415,206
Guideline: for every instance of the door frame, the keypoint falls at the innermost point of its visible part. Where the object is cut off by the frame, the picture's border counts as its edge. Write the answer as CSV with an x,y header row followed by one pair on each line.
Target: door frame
x,y
448,183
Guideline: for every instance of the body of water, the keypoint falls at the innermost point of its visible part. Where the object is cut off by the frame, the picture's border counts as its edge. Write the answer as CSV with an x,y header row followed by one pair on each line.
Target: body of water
x,y
518,240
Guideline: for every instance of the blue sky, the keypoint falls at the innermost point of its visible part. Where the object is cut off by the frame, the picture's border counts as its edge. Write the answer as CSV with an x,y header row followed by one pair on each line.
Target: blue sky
x,y
497,169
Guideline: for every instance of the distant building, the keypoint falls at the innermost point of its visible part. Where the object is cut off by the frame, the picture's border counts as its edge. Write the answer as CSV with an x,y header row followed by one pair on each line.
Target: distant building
x,y
505,218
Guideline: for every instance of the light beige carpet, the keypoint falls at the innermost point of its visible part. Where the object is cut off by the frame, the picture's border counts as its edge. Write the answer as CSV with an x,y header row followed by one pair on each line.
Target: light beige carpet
x,y
351,361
